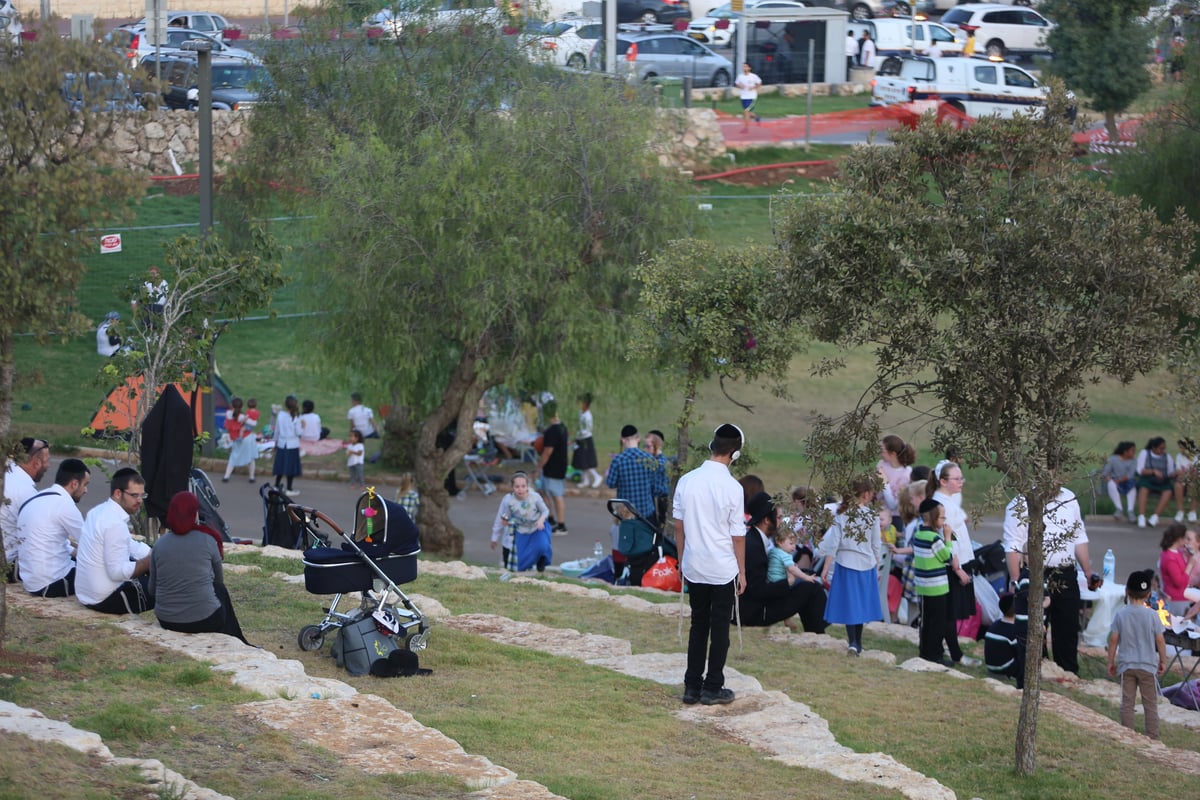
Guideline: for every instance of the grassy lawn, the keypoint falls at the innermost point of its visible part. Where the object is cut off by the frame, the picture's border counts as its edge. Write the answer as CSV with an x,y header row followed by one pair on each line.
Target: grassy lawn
x,y
583,731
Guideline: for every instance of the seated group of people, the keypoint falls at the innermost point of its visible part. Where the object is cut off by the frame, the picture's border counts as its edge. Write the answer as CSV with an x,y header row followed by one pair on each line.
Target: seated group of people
x,y
56,552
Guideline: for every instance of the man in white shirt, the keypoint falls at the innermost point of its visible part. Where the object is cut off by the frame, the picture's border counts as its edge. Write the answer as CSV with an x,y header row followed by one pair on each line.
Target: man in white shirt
x,y
362,418
112,569
866,51
20,484
50,525
934,50
851,53
710,531
747,83
1064,541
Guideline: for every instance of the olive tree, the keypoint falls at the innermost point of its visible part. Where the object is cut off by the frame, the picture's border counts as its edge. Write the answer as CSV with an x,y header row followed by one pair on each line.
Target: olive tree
x,y
55,194
475,217
991,277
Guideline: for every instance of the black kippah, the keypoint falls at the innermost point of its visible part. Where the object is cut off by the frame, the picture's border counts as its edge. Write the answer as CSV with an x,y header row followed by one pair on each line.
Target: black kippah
x,y
928,505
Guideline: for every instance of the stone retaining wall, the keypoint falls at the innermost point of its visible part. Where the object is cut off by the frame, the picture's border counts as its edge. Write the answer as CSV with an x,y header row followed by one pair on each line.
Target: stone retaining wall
x,y
147,145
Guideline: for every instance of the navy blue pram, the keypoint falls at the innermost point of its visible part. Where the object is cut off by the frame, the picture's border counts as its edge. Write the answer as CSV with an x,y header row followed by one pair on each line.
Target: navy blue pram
x,y
380,553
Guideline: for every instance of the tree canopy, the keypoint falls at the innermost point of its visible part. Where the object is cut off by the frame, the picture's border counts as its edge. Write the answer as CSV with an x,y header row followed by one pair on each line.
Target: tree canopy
x,y
475,219
1101,50
990,274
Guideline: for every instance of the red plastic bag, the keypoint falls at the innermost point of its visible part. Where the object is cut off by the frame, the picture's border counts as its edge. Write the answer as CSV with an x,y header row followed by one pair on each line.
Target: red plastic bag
x,y
664,575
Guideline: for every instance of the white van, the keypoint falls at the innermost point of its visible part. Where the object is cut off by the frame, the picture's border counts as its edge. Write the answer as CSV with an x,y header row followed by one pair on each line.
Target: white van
x,y
976,86
894,37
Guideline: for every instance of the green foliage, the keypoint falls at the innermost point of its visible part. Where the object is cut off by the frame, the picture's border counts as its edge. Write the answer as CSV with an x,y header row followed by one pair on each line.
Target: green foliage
x,y
1100,49
476,216
987,273
707,312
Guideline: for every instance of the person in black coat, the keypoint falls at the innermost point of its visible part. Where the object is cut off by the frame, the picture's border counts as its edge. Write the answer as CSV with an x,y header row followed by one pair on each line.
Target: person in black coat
x,y
766,602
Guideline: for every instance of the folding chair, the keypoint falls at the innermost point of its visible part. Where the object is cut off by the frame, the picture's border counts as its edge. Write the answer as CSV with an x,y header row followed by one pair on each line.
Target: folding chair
x,y
477,479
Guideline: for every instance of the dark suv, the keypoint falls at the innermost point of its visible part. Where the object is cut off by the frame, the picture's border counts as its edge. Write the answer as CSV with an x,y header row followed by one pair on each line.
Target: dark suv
x,y
235,82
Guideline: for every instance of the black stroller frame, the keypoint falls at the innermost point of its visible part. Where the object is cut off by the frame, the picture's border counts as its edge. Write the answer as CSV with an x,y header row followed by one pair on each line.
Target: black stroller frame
x,y
653,544
365,561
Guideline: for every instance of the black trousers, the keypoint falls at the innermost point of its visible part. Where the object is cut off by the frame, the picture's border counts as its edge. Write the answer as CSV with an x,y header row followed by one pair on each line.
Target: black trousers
x,y
1065,604
223,620
63,587
131,597
708,639
938,625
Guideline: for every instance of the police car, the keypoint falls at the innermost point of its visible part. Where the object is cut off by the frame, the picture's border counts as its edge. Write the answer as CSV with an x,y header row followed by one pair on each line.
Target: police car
x,y
977,86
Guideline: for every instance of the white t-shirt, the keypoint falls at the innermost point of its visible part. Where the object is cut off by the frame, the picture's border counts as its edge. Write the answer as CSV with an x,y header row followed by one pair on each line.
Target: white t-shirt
x,y
361,419
310,427
107,553
18,487
852,47
868,53
748,82
1064,528
354,453
710,504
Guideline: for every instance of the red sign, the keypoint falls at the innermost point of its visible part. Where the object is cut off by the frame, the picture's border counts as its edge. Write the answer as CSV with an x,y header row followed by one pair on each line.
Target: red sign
x,y
110,243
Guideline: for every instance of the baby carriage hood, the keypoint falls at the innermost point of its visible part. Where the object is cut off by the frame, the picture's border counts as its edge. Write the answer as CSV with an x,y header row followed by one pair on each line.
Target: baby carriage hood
x,y
388,531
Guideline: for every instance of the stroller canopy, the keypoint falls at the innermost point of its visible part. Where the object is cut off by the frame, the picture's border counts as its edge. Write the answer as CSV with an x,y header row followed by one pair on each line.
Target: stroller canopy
x,y
392,530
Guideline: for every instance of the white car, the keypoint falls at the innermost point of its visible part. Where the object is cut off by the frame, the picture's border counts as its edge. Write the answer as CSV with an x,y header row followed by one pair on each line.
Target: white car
x,y
720,26
8,20
565,42
204,21
1000,30
391,22
136,47
895,37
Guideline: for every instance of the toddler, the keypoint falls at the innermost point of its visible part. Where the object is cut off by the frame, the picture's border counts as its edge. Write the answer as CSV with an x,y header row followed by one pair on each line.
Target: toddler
x,y
1004,644
1135,635
355,452
407,495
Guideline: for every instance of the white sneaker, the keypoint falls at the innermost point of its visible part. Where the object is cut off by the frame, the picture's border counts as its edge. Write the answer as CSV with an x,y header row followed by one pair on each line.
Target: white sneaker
x,y
599,481
1141,520
291,492
967,661
1132,517
1191,516
1179,516
1153,520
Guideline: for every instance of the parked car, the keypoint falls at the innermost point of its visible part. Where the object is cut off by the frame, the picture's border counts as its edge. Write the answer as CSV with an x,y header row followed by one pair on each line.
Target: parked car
x,y
667,55
858,9
9,23
896,36
976,86
390,23
565,42
203,21
134,44
96,92
235,81
1001,30
710,30
650,11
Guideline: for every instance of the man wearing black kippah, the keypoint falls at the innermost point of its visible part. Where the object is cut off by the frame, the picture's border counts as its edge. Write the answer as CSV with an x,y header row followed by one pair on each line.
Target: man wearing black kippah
x,y
710,532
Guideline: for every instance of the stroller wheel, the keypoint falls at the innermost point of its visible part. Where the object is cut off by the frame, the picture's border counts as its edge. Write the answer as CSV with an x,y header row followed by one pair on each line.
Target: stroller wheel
x,y
311,638
417,642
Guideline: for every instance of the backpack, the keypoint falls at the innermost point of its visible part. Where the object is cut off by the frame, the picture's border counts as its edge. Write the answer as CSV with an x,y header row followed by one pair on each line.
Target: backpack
x,y
360,644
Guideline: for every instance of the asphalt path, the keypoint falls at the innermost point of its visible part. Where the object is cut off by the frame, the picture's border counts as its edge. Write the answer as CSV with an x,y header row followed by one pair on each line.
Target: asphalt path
x,y
587,519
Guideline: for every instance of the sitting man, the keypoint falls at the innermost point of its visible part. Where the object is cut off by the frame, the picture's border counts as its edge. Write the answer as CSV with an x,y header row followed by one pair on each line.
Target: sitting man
x,y
111,567
50,525
766,602
20,484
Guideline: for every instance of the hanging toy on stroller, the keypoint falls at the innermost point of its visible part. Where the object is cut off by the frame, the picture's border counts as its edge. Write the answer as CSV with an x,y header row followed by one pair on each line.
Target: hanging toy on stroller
x,y
379,554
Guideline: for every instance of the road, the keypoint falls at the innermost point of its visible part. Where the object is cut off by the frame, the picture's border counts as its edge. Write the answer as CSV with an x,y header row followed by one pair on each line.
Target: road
x,y
588,521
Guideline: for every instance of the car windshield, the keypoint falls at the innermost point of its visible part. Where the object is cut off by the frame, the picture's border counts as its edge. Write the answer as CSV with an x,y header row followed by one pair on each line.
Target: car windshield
x,y
955,16
237,76
554,28
97,87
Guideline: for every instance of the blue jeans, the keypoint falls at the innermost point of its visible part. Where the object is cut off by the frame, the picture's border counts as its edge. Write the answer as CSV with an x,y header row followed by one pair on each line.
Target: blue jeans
x,y
712,608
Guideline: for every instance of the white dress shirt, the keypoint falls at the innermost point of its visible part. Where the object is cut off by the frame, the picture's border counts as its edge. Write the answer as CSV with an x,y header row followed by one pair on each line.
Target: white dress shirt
x,y
107,553
18,487
48,526
709,502
1064,528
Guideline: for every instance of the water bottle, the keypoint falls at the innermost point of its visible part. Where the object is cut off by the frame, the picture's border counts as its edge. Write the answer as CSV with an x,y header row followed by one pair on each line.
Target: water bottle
x,y
598,550
1110,566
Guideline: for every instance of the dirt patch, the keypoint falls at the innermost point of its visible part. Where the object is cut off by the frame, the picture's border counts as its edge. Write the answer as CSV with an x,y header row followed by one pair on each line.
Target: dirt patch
x,y
779,176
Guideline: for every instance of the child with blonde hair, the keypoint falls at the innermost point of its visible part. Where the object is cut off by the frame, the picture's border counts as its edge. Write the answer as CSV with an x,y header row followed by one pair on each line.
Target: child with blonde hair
x,y
407,495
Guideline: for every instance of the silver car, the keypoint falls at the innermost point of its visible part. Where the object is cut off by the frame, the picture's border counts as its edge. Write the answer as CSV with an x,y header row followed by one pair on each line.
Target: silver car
x,y
667,55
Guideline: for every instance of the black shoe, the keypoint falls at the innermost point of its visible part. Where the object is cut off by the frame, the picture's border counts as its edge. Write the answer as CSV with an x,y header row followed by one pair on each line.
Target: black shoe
x,y
691,696
720,697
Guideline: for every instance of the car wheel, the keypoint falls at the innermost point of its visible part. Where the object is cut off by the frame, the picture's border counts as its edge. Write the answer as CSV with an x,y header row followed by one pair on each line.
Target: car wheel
x,y
995,48
720,79
649,17
577,61
860,11
649,77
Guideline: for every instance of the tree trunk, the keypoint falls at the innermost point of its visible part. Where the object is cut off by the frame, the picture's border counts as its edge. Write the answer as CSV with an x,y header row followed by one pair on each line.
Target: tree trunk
x,y
1026,742
459,400
1110,125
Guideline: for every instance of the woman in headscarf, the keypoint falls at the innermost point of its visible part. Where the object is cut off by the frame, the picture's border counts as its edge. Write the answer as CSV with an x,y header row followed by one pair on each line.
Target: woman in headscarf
x,y
186,579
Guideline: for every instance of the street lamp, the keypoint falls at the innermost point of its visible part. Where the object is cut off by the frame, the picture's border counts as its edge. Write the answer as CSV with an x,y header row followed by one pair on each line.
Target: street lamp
x,y
203,50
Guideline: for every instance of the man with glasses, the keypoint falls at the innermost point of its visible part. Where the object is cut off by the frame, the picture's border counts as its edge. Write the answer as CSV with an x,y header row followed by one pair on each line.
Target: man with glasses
x,y
50,524
20,484
112,569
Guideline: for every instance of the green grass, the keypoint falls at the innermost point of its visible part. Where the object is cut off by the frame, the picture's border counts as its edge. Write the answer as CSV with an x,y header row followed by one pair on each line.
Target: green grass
x,y
772,105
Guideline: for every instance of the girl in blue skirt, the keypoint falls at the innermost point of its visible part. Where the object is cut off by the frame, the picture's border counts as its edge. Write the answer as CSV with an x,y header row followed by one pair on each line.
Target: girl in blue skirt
x,y
854,542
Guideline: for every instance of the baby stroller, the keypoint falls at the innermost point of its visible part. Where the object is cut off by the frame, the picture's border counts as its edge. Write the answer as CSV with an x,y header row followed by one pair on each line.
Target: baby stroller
x,y
381,552
639,540
280,528
200,485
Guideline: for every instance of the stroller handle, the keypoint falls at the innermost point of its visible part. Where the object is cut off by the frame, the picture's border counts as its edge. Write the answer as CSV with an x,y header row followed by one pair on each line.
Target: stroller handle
x,y
307,516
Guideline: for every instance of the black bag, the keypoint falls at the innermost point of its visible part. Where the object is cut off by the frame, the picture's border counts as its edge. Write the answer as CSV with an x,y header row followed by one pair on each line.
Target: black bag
x,y
359,645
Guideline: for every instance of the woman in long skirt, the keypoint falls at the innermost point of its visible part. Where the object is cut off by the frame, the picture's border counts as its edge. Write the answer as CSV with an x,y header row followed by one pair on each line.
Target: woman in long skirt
x,y
287,445
855,545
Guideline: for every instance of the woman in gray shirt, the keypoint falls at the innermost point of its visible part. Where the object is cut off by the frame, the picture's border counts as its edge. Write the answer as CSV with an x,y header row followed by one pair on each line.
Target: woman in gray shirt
x,y
185,575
